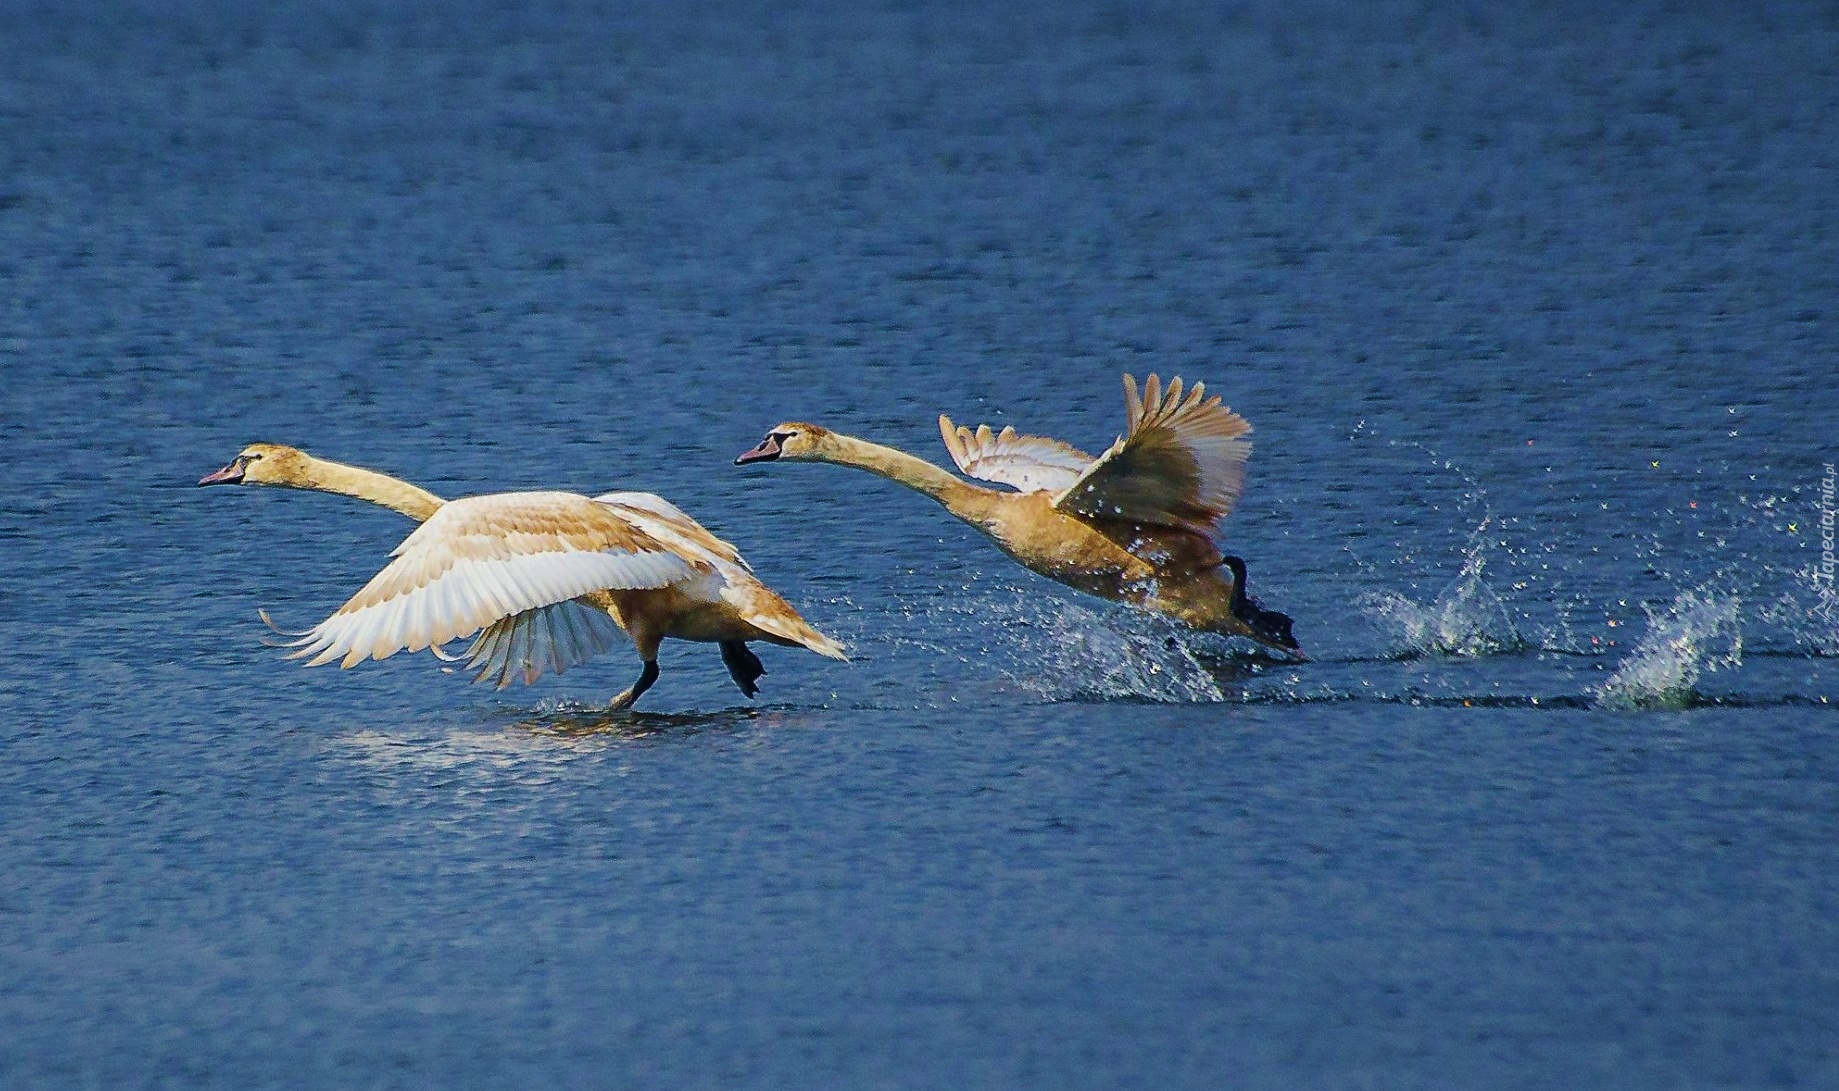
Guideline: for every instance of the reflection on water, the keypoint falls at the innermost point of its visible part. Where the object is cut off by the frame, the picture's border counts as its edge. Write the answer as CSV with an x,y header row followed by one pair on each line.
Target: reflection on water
x,y
513,741
567,722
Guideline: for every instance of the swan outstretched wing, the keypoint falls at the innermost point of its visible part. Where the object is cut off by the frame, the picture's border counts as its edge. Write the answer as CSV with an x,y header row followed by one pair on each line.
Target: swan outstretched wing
x,y
1027,463
1181,462
670,524
486,558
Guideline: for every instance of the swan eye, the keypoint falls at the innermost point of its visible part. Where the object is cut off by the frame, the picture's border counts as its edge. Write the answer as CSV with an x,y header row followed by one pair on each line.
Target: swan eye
x,y
780,437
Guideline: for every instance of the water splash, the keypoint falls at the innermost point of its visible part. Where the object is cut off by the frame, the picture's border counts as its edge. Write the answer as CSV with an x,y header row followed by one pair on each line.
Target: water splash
x,y
1062,650
1799,619
1467,619
1696,633
1059,650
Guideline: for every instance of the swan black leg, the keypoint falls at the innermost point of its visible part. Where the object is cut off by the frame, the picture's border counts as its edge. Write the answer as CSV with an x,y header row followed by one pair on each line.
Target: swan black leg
x,y
743,665
646,678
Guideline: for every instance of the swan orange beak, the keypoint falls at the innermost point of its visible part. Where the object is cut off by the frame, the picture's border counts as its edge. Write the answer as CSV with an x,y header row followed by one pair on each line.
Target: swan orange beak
x,y
229,475
765,452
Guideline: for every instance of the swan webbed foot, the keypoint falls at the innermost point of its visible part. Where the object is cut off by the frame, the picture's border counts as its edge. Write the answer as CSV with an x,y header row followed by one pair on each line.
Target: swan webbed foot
x,y
646,677
743,665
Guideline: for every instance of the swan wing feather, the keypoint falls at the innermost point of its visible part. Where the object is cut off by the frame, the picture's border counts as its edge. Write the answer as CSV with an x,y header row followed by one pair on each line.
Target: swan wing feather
x,y
486,558
1181,463
550,638
1025,463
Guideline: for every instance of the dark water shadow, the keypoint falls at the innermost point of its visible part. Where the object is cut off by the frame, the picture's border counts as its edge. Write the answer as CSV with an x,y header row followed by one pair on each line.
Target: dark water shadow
x,y
1238,664
629,724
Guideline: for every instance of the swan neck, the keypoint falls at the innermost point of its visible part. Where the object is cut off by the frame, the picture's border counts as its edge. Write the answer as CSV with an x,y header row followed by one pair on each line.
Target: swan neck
x,y
1240,600
915,473
378,488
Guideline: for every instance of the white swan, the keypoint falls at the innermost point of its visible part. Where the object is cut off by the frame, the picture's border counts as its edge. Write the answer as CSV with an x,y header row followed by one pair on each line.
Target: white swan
x,y
550,577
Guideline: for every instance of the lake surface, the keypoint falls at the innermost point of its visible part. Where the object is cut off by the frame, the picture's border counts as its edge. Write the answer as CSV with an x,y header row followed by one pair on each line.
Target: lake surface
x,y
1536,314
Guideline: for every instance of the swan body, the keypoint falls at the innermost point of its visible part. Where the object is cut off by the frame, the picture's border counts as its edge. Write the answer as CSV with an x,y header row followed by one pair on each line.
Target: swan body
x,y
547,579
1134,525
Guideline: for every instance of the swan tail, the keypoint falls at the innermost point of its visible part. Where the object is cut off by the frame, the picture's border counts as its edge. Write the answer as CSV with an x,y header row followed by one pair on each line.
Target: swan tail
x,y
820,643
774,616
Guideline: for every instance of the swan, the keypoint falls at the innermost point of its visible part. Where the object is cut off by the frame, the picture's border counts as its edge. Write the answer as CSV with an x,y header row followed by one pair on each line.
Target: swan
x,y
551,578
1134,525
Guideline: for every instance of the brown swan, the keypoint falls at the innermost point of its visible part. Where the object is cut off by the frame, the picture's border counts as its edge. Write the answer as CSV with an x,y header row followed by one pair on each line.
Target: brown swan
x,y
551,578
1134,525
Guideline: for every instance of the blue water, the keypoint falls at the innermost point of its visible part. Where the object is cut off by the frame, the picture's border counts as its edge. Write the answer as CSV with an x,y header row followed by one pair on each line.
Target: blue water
x,y
1535,310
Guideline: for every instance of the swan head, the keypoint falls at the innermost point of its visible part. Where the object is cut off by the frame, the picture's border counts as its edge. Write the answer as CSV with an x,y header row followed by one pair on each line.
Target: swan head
x,y
261,464
795,440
